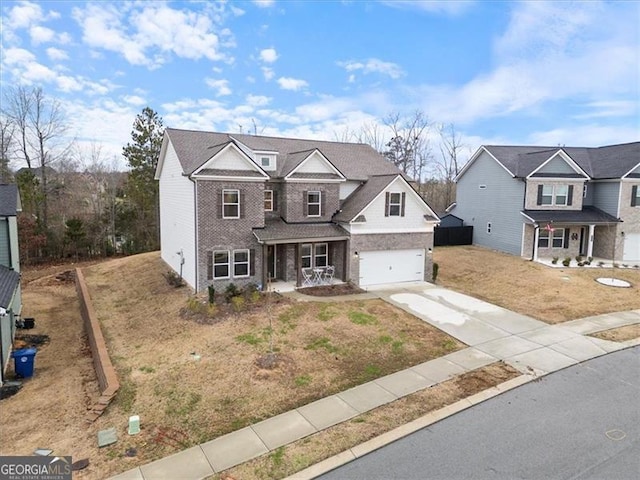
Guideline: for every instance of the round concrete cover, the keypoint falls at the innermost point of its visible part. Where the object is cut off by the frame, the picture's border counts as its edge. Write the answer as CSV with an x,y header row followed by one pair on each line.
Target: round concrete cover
x,y
613,282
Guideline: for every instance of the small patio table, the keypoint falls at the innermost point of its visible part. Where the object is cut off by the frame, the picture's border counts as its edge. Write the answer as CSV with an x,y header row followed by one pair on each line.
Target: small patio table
x,y
317,275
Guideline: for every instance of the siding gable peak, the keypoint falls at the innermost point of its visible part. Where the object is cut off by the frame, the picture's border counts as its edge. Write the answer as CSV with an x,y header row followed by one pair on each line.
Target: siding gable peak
x,y
564,157
230,157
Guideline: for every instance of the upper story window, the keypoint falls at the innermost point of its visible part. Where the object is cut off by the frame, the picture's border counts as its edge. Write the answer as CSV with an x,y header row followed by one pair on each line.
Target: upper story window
x,y
266,160
635,196
394,204
313,204
559,195
231,204
268,200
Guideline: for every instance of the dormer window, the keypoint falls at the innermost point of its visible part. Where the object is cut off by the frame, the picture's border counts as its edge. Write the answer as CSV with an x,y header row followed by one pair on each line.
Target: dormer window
x,y
394,204
266,160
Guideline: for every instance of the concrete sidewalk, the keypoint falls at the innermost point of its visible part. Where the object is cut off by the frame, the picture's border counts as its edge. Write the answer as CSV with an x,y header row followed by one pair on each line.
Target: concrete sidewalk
x,y
492,333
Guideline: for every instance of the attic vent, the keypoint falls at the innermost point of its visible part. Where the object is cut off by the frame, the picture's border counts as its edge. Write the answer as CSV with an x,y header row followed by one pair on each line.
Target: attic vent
x,y
482,187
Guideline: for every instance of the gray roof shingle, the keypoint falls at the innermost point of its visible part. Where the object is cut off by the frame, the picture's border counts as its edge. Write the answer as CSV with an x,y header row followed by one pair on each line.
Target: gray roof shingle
x,y
278,231
612,161
8,200
356,161
362,197
9,280
587,215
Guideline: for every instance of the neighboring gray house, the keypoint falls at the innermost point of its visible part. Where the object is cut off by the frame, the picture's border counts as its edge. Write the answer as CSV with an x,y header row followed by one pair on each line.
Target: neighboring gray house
x,y
245,208
10,300
554,201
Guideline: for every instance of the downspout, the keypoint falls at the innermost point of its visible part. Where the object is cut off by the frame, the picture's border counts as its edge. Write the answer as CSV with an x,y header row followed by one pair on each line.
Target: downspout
x,y
197,228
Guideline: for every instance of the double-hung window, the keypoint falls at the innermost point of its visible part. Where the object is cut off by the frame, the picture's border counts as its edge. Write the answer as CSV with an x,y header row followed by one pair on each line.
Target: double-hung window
x,y
558,195
240,263
314,255
553,238
547,195
395,204
268,200
543,239
320,257
561,193
557,240
231,204
306,255
221,264
635,196
313,204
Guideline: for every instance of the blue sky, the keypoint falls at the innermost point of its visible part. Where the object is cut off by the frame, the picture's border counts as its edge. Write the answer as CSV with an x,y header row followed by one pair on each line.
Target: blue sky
x,y
502,72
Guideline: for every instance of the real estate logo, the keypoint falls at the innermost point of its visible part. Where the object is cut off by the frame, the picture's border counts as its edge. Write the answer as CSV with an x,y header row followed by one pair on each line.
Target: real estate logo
x,y
35,468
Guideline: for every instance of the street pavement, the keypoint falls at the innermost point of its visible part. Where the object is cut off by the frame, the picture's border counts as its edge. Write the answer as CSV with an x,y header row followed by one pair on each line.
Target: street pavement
x,y
582,422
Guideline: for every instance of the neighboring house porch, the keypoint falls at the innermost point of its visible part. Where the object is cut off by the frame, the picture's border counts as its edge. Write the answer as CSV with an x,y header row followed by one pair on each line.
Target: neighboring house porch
x,y
589,232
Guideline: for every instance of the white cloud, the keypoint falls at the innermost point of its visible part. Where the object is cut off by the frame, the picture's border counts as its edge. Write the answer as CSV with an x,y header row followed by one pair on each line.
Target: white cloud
x,y
257,100
268,73
268,55
264,3
592,135
147,34
40,34
134,100
56,54
24,14
221,86
288,83
373,65
448,7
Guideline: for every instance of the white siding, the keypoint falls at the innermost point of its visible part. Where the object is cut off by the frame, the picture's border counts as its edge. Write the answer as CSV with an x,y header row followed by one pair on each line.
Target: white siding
x,y
347,188
314,164
177,217
413,220
230,159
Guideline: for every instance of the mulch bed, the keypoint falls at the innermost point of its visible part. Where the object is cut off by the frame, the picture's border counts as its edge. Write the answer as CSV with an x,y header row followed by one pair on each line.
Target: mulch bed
x,y
331,290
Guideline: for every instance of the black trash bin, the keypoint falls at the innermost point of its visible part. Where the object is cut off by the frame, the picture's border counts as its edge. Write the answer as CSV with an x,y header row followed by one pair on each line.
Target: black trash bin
x,y
23,361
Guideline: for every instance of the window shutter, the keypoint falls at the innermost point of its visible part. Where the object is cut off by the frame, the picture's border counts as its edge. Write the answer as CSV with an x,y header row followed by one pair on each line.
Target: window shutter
x,y
386,204
275,200
323,203
305,200
566,238
220,196
634,196
402,204
539,202
209,265
241,200
252,261
570,195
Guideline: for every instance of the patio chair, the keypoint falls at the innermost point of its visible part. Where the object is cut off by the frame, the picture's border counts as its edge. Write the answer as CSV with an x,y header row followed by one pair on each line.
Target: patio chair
x,y
328,274
307,277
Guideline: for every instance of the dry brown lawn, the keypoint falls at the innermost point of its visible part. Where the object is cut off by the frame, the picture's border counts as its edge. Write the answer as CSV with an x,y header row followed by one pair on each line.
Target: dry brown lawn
x,y
620,334
549,294
322,348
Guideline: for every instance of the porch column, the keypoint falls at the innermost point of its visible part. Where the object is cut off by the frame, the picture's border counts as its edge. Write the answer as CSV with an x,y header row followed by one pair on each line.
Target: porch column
x,y
590,243
265,267
536,236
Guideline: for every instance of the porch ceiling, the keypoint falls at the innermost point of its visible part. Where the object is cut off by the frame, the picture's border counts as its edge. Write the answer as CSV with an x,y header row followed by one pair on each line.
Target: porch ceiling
x,y
588,215
278,231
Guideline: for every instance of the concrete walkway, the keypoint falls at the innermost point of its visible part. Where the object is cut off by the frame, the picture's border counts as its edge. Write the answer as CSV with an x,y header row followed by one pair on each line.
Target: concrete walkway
x,y
492,333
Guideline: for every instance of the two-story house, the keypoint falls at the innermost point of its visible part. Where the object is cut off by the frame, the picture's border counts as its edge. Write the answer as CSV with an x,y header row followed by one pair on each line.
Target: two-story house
x,y
10,300
244,209
554,201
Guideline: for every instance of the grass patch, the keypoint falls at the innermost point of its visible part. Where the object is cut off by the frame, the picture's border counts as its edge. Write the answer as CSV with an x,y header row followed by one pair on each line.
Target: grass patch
x,y
302,380
250,339
321,342
327,312
362,318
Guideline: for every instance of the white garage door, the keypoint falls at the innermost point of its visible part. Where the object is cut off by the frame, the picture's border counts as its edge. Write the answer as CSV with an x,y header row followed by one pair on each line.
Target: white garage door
x,y
631,248
391,266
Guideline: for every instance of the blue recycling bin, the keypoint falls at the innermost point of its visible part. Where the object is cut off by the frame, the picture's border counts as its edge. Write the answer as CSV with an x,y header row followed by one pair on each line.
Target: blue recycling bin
x,y
24,360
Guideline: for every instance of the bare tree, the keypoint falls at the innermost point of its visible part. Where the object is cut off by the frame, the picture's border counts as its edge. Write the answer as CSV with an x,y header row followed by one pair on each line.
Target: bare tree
x,y
448,165
409,148
6,142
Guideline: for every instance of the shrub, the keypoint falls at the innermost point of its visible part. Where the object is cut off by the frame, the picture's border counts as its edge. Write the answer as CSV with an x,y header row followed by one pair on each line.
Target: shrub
x,y
230,292
436,267
212,294
590,259
578,258
194,305
566,262
238,303
554,260
174,279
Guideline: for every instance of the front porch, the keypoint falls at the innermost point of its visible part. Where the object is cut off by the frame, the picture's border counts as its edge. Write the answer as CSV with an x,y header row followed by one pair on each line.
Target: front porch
x,y
297,255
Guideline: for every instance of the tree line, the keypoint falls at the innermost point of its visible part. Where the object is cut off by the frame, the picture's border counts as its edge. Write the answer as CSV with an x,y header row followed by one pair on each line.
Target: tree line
x,y
77,203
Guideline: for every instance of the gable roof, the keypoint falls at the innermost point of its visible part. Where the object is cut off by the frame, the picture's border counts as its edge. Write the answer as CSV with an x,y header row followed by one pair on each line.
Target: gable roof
x,y
356,161
608,162
9,201
9,280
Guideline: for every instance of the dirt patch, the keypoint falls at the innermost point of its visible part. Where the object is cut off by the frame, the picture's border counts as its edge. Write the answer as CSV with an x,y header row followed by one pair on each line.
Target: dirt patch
x,y
25,340
331,290
297,456
552,295
620,334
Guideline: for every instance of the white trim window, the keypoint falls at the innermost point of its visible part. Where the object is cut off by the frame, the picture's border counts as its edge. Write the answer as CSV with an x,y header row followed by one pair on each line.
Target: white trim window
x,y
241,263
220,264
321,255
561,194
543,238
555,195
265,162
547,195
314,201
557,239
395,204
306,255
268,200
230,203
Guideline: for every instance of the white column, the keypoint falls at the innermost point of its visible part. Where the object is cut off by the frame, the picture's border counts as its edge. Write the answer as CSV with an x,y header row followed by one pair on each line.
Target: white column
x,y
590,244
536,235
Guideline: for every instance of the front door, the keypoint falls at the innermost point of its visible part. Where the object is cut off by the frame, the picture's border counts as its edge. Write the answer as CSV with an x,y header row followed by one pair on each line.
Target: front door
x,y
271,261
584,240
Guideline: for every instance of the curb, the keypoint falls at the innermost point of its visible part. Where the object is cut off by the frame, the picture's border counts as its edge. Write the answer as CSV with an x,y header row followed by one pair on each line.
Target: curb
x,y
402,431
